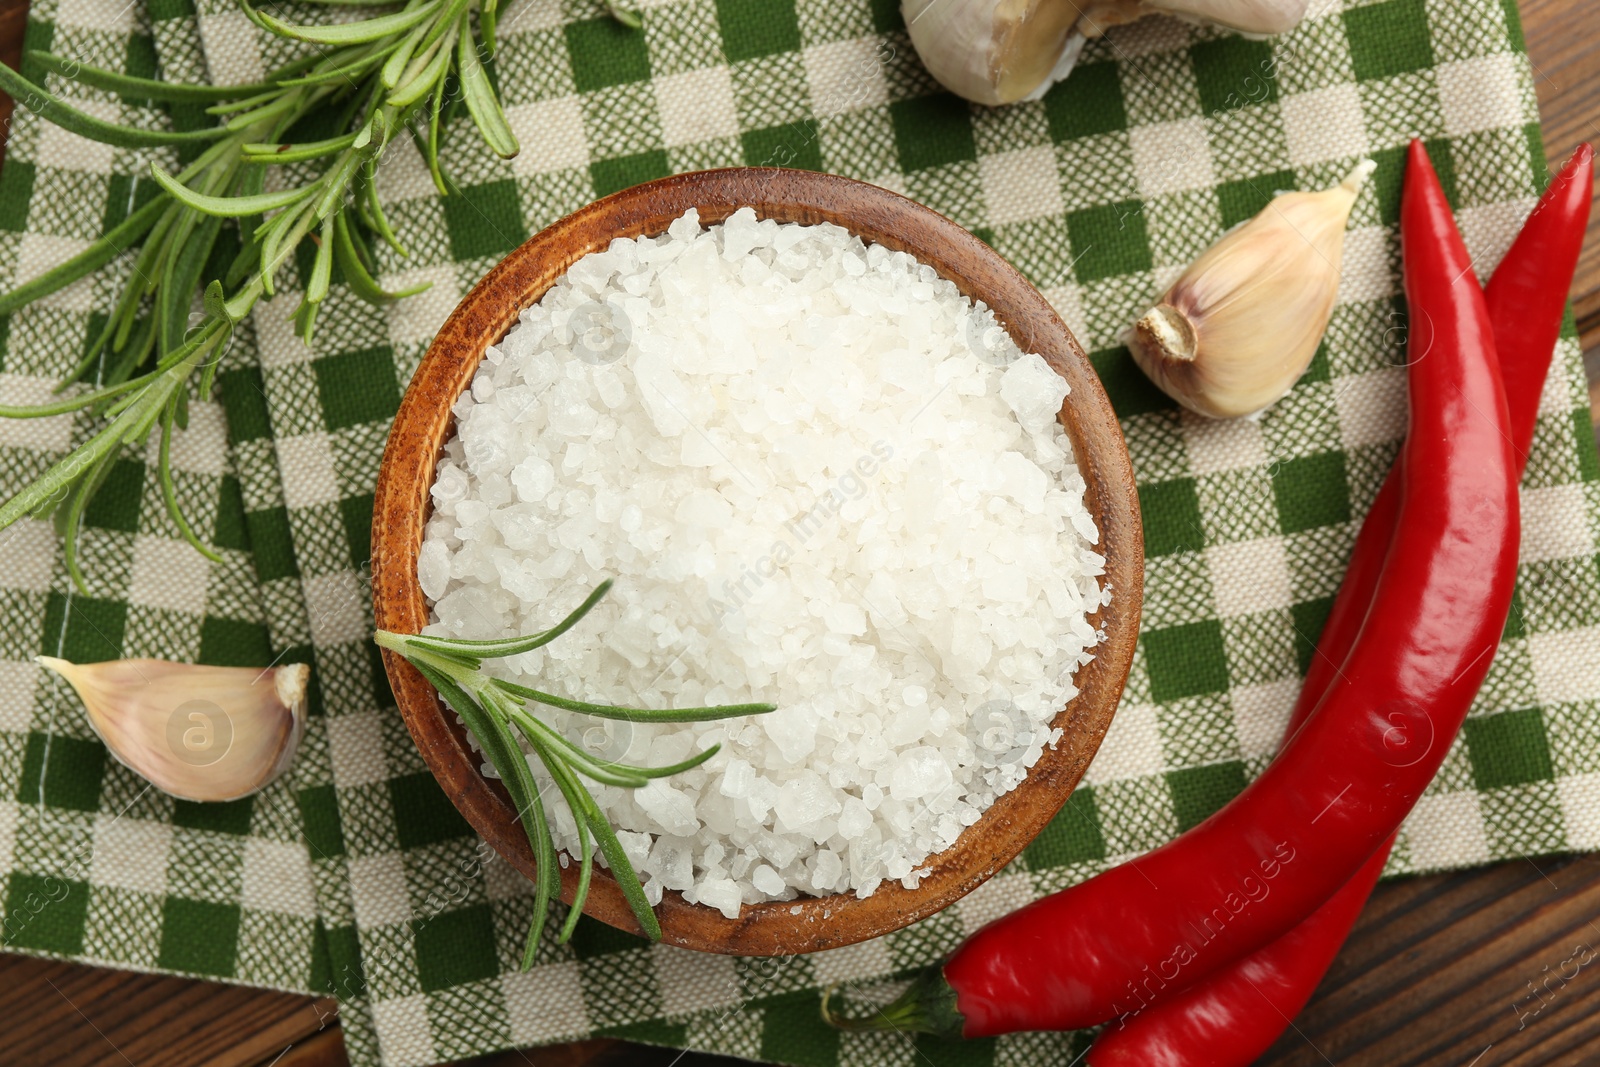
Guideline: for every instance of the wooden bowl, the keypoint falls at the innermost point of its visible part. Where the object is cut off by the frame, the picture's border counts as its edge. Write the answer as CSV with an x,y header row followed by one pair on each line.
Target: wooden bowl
x,y
425,422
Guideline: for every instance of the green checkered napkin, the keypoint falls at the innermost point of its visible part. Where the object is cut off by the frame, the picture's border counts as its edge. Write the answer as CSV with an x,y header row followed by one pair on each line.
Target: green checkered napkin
x,y
101,867
360,872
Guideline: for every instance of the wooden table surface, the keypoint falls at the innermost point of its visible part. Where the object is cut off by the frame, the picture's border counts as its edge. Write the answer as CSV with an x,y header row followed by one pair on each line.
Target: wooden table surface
x,y
1441,971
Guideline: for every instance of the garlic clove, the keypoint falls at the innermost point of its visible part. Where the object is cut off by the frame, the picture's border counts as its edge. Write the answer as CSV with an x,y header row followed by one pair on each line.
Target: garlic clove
x,y
194,731
1097,16
1250,17
993,51
1001,51
1263,18
1065,62
1241,325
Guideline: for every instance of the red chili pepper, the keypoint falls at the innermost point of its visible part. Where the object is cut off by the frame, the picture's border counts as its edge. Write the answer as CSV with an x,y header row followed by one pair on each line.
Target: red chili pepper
x,y
1222,1021
1527,300
1531,299
1344,783
1231,1017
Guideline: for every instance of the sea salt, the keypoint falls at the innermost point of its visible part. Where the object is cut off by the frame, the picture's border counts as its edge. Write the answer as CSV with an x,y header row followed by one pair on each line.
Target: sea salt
x,y
821,477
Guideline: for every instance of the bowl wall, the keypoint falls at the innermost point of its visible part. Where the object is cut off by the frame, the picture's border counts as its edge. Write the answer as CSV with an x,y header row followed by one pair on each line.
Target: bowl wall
x,y
424,423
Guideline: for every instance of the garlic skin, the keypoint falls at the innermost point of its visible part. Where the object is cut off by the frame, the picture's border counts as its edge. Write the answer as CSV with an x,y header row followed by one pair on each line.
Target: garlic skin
x,y
1000,51
193,731
1239,327
994,51
1253,18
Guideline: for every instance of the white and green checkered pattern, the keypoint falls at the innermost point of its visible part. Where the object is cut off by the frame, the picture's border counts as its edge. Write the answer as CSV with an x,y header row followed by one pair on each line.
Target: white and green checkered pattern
x,y
1165,136
101,867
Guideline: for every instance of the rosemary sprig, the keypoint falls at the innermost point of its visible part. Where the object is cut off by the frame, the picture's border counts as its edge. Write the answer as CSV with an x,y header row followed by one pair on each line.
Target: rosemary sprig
x,y
399,72
492,706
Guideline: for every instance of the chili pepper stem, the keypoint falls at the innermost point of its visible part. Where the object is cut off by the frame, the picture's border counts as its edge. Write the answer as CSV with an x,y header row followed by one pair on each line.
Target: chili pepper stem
x,y
928,1006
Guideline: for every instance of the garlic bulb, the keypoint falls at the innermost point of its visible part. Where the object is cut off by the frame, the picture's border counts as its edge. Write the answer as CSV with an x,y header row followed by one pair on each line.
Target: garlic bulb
x,y
1001,51
1249,17
1243,322
196,732
993,51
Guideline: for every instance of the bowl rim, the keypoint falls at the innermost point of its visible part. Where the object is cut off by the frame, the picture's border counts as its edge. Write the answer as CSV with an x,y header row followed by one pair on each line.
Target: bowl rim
x,y
424,422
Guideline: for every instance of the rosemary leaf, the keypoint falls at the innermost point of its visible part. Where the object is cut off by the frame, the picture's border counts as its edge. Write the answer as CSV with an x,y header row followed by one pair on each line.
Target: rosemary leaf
x,y
296,153
51,108
573,792
116,241
380,221
343,67
430,147
240,303
398,60
613,711
482,104
335,183
244,261
71,403
344,33
356,275
321,266
449,19
410,54
684,765
245,120
508,762
514,645
248,103
581,893
50,487
621,868
423,76
232,207
169,491
70,520
488,20
269,238
490,707
342,3
143,88
215,304
305,320
141,342
171,309
603,771
178,287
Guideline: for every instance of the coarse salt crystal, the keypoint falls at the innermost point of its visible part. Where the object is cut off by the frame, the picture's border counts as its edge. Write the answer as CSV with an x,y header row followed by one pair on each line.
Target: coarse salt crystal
x,y
821,477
